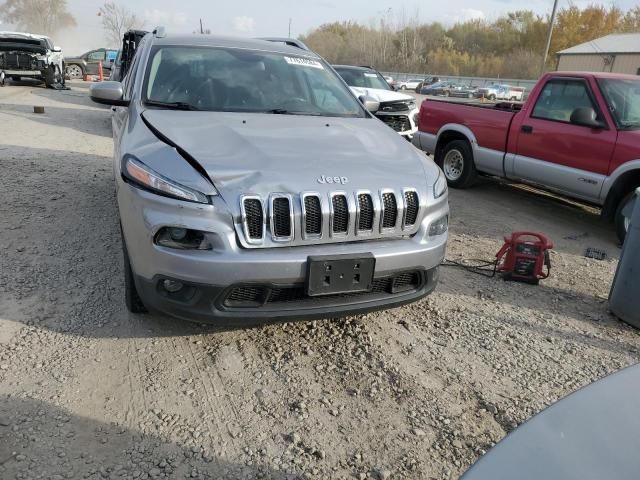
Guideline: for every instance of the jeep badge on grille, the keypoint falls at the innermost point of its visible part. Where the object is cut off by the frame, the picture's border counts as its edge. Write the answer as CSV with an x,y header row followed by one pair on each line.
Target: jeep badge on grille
x,y
326,179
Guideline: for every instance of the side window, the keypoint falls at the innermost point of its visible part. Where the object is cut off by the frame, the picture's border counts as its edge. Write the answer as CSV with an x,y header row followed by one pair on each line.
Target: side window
x,y
96,56
559,98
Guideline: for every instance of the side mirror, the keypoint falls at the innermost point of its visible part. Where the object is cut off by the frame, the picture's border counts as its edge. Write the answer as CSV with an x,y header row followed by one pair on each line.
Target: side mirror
x,y
586,117
370,104
57,49
108,93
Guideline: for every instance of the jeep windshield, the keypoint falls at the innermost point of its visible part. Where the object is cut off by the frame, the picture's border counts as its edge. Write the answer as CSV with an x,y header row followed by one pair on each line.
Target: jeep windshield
x,y
623,99
238,80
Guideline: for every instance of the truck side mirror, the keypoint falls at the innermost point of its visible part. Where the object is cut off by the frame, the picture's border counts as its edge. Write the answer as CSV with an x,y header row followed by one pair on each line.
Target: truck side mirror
x,y
586,117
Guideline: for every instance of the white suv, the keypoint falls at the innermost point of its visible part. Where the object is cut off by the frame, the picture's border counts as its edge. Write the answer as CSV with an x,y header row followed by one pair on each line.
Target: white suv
x,y
34,56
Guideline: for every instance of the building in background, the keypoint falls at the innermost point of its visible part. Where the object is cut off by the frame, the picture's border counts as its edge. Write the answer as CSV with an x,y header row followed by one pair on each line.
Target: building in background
x,y
618,52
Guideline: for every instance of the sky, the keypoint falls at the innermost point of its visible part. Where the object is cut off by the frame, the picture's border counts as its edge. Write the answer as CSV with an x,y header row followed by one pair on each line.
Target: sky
x,y
271,18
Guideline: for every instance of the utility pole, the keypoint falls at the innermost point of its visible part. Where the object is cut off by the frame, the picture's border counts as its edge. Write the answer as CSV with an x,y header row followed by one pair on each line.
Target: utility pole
x,y
546,50
289,36
201,29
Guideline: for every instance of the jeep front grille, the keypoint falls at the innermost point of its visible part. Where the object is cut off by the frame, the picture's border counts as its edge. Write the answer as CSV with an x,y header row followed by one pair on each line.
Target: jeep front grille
x,y
340,214
253,218
389,210
311,217
366,213
411,207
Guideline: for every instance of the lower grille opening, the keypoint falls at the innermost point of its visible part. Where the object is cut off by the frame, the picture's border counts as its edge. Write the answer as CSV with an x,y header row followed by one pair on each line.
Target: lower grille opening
x,y
258,296
246,297
340,214
390,214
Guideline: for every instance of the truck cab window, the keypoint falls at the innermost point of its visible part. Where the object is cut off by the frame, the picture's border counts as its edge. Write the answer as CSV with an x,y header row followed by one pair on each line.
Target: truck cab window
x,y
559,98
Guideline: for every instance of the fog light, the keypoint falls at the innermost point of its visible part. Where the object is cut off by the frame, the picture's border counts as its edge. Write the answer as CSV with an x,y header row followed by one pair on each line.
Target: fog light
x,y
177,234
172,286
439,227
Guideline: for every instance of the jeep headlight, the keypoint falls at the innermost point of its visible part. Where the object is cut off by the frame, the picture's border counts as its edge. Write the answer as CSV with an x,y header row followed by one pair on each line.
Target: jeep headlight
x,y
139,174
440,187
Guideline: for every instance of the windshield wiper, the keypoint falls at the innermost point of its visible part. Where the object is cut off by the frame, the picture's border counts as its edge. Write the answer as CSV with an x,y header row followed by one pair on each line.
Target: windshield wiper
x,y
172,105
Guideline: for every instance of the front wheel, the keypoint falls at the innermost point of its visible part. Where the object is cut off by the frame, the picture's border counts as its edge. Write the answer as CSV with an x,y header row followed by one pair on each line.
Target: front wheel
x,y
403,87
456,161
491,97
623,223
53,77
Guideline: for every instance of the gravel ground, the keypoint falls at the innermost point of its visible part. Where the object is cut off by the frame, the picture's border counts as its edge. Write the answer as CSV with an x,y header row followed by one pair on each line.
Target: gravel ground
x,y
90,391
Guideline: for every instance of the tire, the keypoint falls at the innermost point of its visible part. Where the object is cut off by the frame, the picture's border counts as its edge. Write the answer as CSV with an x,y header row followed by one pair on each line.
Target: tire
x,y
456,161
621,223
131,298
492,97
53,76
74,71
403,87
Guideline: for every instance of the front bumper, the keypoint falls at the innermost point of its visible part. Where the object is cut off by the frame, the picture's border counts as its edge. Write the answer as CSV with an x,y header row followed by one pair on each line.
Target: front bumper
x,y
210,275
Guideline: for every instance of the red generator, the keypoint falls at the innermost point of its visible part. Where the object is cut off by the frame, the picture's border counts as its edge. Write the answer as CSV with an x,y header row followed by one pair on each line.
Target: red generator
x,y
523,257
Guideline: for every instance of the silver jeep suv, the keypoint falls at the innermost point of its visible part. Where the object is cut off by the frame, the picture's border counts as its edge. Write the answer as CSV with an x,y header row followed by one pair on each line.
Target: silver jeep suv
x,y
253,185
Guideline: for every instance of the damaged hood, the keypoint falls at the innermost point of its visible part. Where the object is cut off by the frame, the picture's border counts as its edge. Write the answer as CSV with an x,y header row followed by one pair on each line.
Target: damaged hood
x,y
22,42
381,95
262,153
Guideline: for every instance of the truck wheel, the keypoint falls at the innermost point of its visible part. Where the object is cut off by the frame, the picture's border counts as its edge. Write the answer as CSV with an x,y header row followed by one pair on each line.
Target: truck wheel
x,y
131,298
74,71
456,162
623,223
491,97
52,76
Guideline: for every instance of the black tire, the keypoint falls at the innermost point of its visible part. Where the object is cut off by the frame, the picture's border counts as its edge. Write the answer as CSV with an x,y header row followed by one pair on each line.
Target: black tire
x,y
491,97
53,76
619,220
403,87
460,172
131,298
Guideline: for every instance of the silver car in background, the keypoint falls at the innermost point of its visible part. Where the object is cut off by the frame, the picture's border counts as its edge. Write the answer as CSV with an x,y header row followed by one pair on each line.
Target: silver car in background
x,y
253,185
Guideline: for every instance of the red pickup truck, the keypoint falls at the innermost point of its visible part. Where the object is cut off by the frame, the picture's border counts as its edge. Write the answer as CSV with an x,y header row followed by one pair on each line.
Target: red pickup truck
x,y
577,134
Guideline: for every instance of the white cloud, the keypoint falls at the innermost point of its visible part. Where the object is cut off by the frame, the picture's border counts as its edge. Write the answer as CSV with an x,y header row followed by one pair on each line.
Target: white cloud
x,y
471,14
155,17
244,24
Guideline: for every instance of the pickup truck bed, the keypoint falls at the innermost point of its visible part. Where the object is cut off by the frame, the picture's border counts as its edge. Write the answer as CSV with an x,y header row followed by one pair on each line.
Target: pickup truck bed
x,y
577,134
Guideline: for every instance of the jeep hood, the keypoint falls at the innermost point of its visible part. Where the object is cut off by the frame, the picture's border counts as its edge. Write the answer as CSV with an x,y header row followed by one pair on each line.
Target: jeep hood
x,y
381,95
22,42
262,153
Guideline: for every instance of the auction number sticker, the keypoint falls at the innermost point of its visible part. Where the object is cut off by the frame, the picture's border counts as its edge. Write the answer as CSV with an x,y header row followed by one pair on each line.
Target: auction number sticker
x,y
303,62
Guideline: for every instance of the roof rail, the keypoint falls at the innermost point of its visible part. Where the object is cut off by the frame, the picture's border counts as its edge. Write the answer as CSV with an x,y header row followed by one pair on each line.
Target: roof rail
x,y
292,42
159,32
367,66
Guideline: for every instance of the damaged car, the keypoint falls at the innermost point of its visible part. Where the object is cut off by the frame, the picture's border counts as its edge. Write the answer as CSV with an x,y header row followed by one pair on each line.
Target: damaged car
x,y
31,56
254,186
397,110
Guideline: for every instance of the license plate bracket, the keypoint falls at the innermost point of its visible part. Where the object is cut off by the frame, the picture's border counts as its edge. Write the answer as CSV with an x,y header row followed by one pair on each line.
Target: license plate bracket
x,y
331,274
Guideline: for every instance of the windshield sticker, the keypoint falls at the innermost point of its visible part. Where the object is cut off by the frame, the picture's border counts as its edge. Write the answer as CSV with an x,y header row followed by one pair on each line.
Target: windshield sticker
x,y
303,62
371,75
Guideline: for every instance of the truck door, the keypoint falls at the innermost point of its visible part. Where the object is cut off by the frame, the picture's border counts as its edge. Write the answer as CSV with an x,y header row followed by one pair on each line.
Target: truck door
x,y
558,154
93,58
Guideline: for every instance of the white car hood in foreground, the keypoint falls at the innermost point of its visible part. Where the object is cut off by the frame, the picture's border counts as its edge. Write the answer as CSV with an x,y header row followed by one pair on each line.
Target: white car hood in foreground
x,y
380,95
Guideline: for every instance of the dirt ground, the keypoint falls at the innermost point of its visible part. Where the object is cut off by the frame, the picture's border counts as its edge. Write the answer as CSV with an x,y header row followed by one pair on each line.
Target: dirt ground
x,y
89,391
